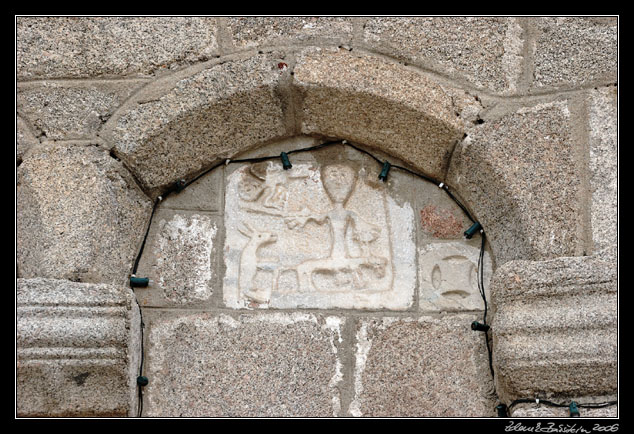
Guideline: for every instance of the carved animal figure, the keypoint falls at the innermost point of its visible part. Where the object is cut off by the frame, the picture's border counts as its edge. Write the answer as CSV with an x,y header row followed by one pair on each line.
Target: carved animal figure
x,y
250,264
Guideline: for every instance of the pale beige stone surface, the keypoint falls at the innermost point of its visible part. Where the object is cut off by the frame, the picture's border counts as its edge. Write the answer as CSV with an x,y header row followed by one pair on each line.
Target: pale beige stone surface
x,y
265,365
574,51
421,367
370,100
72,110
60,47
484,51
604,166
316,236
80,215
24,140
180,258
180,126
554,328
262,31
520,175
78,349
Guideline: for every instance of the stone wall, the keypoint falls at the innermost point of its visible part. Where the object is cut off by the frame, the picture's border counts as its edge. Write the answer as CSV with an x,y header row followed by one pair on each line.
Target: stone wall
x,y
515,116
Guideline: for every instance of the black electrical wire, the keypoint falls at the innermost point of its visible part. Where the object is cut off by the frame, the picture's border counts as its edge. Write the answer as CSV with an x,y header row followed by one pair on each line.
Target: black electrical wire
x,y
557,404
222,163
363,151
600,405
140,404
147,231
462,207
481,276
484,299
314,148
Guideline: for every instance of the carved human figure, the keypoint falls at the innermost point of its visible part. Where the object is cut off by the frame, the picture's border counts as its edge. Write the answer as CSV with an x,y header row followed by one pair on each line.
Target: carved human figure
x,y
338,181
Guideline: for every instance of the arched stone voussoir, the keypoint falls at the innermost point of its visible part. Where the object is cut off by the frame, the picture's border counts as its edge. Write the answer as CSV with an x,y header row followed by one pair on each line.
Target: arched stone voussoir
x,y
382,104
80,216
180,125
520,176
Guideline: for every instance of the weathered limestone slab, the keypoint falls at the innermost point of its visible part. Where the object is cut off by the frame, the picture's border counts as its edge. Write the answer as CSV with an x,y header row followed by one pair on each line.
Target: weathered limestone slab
x,y
448,276
277,365
545,411
421,367
555,328
179,258
78,349
317,236
574,51
604,167
485,51
67,110
24,139
520,176
367,99
60,47
263,31
180,126
80,215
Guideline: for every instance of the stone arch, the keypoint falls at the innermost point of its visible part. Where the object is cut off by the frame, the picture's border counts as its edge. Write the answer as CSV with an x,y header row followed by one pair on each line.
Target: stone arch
x,y
180,125
184,123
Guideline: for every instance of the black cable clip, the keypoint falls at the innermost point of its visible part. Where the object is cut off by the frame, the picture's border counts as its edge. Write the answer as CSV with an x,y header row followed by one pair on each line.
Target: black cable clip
x,y
142,381
286,163
476,326
180,185
384,171
501,409
574,410
472,230
139,282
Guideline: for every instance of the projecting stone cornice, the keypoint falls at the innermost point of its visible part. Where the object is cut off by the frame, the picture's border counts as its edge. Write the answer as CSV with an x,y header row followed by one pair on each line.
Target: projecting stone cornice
x,y
554,328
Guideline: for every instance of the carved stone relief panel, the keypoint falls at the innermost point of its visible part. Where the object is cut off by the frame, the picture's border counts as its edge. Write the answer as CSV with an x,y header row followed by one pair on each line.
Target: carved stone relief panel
x,y
448,275
316,236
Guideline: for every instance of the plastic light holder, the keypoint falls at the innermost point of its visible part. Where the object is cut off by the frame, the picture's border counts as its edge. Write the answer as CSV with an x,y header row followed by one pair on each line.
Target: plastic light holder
x,y
139,282
142,381
476,326
472,230
501,409
179,185
286,163
384,171
574,410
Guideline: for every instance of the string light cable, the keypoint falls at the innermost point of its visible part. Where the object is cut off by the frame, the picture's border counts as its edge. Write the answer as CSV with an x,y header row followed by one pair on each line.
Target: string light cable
x,y
573,406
